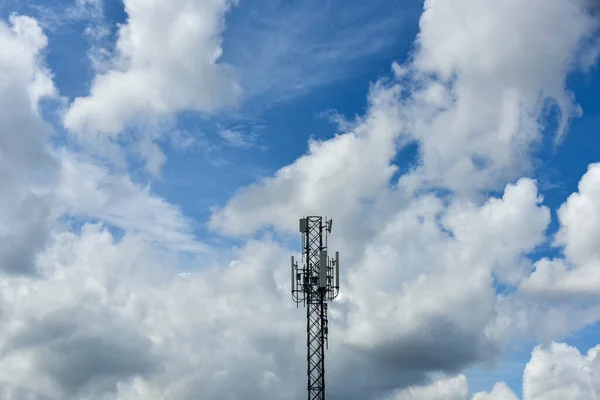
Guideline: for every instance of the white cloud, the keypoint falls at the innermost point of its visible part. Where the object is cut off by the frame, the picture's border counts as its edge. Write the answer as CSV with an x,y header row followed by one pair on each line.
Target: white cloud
x,y
239,138
166,61
416,276
493,230
38,185
497,65
580,221
96,31
135,327
103,298
501,391
442,389
557,371
576,275
560,295
455,388
234,138
475,124
336,175
75,329
83,10
90,191
27,170
561,372
420,291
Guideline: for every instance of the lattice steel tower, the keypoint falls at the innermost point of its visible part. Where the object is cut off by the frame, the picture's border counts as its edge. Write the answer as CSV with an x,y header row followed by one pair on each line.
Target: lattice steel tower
x,y
314,284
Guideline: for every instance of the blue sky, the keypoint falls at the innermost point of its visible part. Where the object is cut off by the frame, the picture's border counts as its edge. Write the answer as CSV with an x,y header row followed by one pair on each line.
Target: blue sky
x,y
299,64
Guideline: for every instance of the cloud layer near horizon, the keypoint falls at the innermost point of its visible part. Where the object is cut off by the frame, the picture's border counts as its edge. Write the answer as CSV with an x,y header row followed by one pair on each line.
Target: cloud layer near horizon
x,y
556,371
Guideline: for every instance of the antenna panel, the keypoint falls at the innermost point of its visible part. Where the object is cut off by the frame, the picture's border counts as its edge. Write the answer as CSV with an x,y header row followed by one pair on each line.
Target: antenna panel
x,y
303,225
323,269
293,274
337,269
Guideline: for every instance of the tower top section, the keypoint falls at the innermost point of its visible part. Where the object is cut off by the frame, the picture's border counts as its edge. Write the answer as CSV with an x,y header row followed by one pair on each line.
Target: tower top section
x,y
318,272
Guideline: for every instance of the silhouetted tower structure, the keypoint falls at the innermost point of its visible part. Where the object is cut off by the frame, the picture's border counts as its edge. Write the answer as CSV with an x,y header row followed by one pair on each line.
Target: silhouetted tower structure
x,y
315,283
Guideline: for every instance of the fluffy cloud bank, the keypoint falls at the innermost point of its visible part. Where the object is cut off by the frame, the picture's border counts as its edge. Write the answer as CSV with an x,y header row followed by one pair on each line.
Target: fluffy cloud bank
x,y
39,183
27,170
166,61
557,371
577,273
112,319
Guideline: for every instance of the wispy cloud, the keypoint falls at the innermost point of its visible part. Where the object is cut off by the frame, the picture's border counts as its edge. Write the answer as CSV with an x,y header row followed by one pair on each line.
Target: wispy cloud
x,y
57,16
286,50
235,138
243,134
87,190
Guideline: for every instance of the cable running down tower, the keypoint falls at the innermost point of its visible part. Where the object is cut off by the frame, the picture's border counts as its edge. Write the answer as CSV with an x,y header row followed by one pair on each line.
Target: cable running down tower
x,y
315,282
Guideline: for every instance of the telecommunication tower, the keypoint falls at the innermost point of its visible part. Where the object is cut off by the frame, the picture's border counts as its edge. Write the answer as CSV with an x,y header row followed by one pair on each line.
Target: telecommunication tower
x,y
314,283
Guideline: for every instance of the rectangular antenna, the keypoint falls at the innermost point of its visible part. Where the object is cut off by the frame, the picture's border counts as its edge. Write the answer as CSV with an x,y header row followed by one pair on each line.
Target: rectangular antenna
x,y
337,269
323,269
293,274
303,225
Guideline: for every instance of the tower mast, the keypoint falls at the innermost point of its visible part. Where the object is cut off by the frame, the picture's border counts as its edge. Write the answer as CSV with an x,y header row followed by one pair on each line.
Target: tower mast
x,y
315,283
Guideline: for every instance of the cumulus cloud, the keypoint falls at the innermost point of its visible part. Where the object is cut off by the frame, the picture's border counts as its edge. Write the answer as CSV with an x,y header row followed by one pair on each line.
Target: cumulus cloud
x,y
455,388
114,319
338,174
560,371
580,220
559,295
471,99
166,61
486,73
576,274
38,184
124,312
442,389
500,392
403,312
475,112
61,338
27,170
557,371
